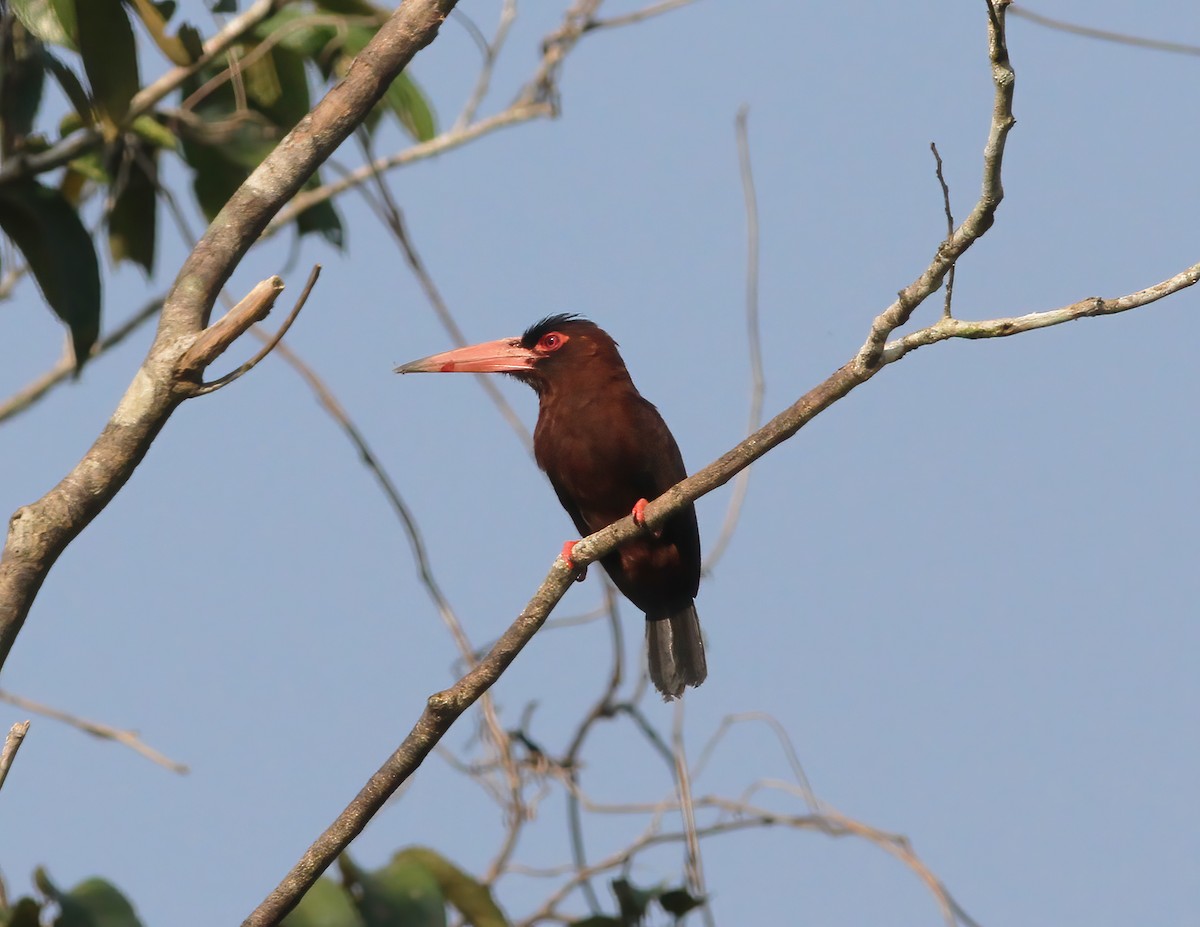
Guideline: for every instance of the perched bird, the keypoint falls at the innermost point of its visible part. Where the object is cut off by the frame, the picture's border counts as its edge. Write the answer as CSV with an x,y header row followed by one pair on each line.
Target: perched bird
x,y
606,451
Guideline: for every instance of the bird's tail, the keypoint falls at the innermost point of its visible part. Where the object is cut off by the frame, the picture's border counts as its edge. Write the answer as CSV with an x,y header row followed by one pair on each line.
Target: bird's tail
x,y
676,651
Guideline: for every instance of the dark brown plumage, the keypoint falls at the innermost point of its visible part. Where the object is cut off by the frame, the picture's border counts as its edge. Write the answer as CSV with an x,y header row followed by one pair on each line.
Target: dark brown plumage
x,y
605,448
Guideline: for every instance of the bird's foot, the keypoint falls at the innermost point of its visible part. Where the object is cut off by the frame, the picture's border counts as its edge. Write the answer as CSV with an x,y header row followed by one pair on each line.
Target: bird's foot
x,y
580,572
639,516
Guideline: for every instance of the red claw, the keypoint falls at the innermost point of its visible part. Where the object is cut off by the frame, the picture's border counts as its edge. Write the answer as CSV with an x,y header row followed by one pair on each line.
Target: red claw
x,y
639,516
580,572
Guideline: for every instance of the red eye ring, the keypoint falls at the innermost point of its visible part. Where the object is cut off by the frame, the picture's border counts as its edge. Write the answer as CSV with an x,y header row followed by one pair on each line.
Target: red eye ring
x,y
551,341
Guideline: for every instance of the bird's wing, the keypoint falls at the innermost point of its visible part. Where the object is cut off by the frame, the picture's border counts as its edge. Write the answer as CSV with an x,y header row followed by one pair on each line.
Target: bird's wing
x,y
572,508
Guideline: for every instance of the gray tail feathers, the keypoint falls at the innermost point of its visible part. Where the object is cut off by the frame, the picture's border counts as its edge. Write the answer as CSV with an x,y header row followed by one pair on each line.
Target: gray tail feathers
x,y
676,651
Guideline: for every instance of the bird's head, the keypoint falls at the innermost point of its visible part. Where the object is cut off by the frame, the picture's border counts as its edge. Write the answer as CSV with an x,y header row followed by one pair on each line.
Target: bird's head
x,y
559,347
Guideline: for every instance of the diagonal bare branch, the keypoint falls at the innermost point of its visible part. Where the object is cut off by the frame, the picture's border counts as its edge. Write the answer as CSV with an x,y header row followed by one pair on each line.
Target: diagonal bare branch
x,y
125,738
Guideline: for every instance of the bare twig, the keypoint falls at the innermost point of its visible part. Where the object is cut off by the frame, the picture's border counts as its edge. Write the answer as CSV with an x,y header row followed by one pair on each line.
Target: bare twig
x,y
125,738
981,216
949,228
491,50
447,141
12,743
747,818
753,335
215,339
266,349
537,100
61,371
1003,328
1119,37
683,783
637,16
785,742
604,707
393,219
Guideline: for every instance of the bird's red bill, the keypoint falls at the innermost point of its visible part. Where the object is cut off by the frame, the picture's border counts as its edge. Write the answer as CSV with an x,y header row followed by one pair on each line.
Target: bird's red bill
x,y
504,356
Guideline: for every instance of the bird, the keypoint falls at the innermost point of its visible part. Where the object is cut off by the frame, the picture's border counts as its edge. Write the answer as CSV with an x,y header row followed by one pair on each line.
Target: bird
x,y
606,451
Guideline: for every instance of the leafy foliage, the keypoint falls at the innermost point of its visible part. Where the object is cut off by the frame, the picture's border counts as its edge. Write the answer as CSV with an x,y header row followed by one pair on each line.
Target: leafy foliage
x,y
633,905
229,115
92,903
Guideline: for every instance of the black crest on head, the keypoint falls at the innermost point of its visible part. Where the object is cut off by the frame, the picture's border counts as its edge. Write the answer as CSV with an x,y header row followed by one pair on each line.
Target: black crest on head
x,y
533,334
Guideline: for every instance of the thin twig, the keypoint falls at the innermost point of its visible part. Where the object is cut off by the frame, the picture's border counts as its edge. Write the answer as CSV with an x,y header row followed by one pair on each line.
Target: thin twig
x,y
447,141
1090,307
491,51
216,338
12,743
602,708
266,349
637,16
65,367
393,219
981,217
694,864
753,335
125,738
1120,38
941,178
785,742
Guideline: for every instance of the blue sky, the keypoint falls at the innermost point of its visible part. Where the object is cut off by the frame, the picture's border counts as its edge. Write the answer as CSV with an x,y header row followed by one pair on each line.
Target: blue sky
x,y
967,591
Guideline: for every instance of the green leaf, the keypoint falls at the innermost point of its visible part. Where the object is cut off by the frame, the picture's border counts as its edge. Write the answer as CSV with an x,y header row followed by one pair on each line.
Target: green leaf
x,y
599,920
407,101
633,901
326,904
91,165
352,8
401,893
51,21
151,130
132,222
60,255
166,8
277,87
109,56
155,20
224,6
323,219
22,76
25,913
299,31
404,98
95,903
192,41
71,87
678,901
215,177
472,899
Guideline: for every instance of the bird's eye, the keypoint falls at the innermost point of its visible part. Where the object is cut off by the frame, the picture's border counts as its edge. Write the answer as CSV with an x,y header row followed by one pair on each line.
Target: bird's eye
x,y
552,341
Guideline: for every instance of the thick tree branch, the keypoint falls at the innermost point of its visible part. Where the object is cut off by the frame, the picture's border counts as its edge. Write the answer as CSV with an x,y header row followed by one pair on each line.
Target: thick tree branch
x,y
38,533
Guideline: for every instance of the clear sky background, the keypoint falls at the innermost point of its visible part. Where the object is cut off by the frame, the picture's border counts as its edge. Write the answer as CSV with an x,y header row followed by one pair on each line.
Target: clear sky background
x,y
967,592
